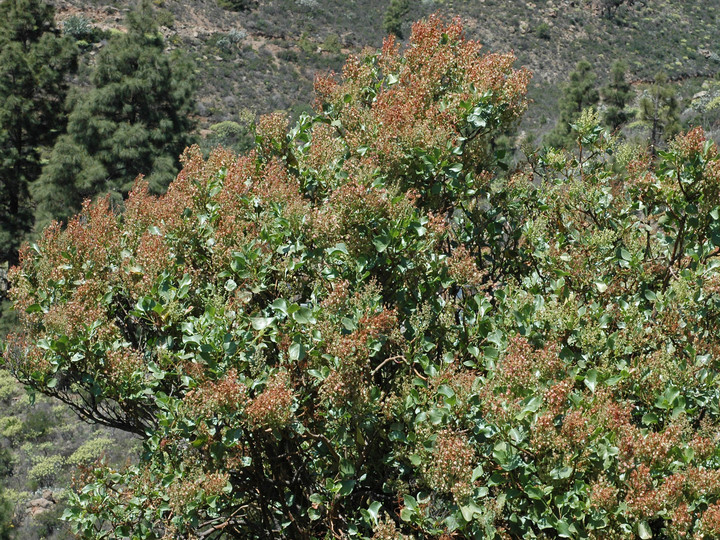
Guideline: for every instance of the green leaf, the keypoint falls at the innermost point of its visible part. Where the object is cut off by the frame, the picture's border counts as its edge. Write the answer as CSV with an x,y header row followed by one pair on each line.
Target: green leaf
x,y
280,305
304,315
591,380
347,468
667,398
535,492
644,531
649,419
260,323
560,473
564,529
346,487
381,242
336,250
406,514
467,512
296,351
374,510
532,404
185,281
230,285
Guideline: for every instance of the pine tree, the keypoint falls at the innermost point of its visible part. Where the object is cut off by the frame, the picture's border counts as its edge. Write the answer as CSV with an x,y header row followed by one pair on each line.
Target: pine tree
x,y
660,112
578,94
133,121
34,63
392,20
616,96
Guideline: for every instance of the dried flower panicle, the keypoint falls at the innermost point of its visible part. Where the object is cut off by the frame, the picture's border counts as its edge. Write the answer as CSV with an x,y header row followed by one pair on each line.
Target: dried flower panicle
x,y
272,408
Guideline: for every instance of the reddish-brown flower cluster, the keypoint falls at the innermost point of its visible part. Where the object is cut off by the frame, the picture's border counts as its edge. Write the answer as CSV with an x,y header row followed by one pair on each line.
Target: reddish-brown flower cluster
x,y
354,348
337,296
460,379
325,151
25,357
710,521
522,366
690,143
121,364
462,267
271,130
423,94
453,458
81,310
347,384
653,448
603,494
556,396
182,492
272,408
276,186
350,215
226,395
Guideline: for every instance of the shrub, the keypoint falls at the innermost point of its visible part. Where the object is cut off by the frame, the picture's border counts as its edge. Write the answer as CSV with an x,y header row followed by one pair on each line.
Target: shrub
x,y
331,44
543,31
363,327
79,27
44,472
90,451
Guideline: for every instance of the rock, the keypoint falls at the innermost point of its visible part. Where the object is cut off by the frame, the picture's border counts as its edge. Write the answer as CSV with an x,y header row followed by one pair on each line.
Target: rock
x,y
699,95
38,506
524,27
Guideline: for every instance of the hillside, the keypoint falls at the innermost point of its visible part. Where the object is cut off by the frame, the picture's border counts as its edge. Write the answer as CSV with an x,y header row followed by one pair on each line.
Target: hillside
x,y
265,58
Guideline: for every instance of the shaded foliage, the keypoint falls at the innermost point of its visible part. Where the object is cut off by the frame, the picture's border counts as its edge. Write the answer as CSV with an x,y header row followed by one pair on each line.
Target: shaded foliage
x,y
134,120
616,97
34,64
660,112
578,94
394,15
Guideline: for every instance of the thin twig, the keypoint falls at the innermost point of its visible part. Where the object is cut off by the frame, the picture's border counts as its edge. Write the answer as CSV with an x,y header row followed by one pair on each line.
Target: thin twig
x,y
386,361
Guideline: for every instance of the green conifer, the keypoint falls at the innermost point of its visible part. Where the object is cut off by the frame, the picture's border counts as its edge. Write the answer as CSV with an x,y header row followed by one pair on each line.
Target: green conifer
x,y
616,96
579,93
394,14
133,121
660,112
34,63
